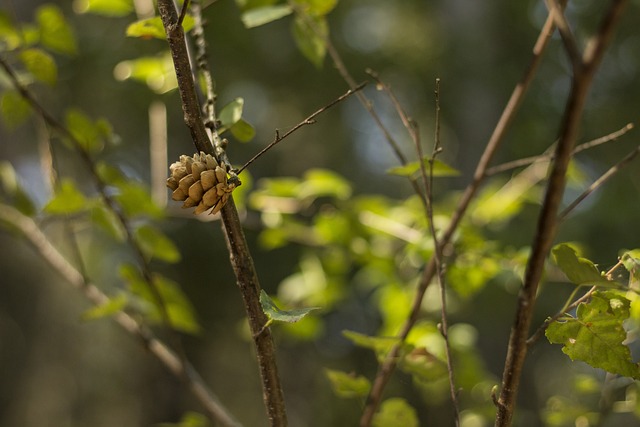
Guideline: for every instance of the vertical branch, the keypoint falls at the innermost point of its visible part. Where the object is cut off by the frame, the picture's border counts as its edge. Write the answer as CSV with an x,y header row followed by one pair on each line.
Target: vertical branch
x,y
388,365
241,261
548,218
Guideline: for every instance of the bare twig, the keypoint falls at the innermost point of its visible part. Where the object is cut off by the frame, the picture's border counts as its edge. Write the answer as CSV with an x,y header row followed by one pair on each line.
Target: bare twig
x,y
39,241
569,40
183,12
600,181
548,154
387,367
437,255
308,121
241,261
548,219
108,200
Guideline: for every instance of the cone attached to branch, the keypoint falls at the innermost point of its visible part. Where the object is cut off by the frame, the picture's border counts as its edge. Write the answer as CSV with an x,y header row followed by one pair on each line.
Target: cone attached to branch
x,y
201,181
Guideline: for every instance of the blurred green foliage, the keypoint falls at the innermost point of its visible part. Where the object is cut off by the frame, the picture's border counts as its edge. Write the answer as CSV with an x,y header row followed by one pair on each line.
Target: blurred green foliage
x,y
331,219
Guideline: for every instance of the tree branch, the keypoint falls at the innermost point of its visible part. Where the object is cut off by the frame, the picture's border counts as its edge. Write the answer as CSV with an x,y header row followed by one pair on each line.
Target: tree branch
x,y
30,230
388,365
548,219
241,261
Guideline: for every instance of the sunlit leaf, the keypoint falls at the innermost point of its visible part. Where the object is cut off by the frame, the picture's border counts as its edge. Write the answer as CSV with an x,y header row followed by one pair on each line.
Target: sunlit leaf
x,y
111,307
13,190
348,385
578,270
631,261
379,344
14,109
276,314
10,38
152,28
40,64
157,72
263,15
108,221
396,412
310,34
55,31
67,199
322,183
243,131
231,113
596,336
155,244
104,7
190,419
84,130
136,200
317,7
440,169
180,311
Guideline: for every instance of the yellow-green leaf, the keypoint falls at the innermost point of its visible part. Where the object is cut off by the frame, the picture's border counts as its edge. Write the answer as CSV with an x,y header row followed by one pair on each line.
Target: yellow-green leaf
x,y
104,7
40,64
348,385
155,244
309,33
55,31
67,199
84,130
111,307
440,169
152,28
276,314
263,15
14,109
396,412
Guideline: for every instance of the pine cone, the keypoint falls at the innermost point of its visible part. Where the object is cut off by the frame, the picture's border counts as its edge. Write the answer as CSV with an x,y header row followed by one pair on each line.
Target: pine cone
x,y
201,182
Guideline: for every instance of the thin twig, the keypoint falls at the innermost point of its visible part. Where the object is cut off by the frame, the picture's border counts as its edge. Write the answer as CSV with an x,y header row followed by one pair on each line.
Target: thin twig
x,y
183,12
599,182
308,121
39,241
240,257
108,200
548,154
388,365
548,218
437,255
569,40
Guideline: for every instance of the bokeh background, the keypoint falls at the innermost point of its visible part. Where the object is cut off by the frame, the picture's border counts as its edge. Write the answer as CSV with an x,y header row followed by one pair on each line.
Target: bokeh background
x,y
57,370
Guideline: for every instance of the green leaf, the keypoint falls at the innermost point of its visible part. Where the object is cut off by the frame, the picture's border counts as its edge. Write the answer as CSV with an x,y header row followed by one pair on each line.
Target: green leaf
x,y
11,186
379,344
275,314
155,244
578,270
631,261
40,64
440,169
14,109
310,34
180,311
10,38
190,419
263,15
322,183
84,130
243,131
112,8
67,199
231,113
317,7
111,307
596,336
395,412
348,385
110,175
152,28
55,31
107,220
156,72
136,201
